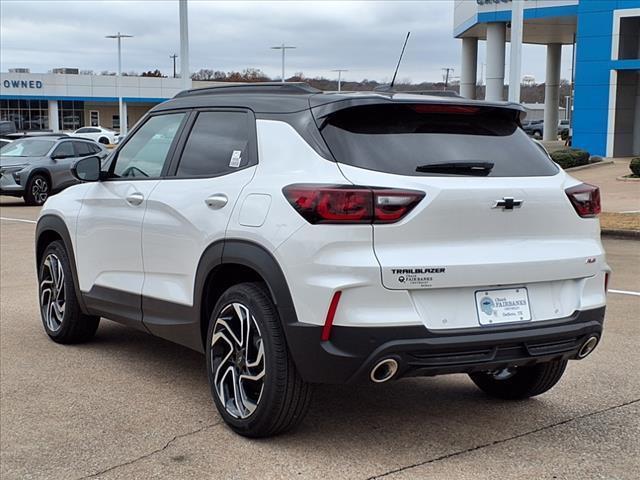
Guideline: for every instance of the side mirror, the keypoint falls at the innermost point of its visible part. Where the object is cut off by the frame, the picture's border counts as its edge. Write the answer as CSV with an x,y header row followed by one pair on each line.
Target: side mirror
x,y
87,169
59,156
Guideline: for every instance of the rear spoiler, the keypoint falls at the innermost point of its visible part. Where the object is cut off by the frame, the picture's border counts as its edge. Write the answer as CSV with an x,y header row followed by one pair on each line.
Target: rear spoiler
x,y
322,110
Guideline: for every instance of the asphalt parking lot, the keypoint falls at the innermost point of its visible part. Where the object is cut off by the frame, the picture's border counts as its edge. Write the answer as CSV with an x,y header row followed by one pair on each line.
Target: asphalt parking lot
x,y
132,406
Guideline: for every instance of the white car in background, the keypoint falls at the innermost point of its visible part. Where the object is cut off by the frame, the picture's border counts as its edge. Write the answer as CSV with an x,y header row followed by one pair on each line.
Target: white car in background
x,y
97,134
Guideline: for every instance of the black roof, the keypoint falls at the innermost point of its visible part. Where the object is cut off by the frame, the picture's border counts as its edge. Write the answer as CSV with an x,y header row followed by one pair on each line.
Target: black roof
x,y
36,136
271,97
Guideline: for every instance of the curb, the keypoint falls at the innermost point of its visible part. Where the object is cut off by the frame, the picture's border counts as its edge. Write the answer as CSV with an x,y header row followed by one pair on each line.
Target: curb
x,y
590,165
624,234
628,179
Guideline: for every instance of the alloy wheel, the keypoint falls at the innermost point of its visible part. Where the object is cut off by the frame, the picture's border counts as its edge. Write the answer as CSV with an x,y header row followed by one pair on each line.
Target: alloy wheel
x,y
40,190
237,360
52,292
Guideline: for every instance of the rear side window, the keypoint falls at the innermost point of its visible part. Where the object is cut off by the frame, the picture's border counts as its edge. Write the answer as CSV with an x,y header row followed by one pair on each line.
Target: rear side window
x,y
83,149
403,139
219,143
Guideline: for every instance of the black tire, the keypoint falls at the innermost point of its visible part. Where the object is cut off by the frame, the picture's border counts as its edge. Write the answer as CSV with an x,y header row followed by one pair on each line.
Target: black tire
x,y
282,400
525,382
72,326
38,190
103,140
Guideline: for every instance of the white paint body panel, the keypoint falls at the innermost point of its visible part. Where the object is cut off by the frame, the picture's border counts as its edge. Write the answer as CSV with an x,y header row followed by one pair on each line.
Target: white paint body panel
x,y
109,235
179,226
543,246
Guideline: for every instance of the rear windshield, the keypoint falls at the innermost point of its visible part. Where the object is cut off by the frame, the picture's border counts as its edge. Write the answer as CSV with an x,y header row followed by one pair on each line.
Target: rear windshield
x,y
405,139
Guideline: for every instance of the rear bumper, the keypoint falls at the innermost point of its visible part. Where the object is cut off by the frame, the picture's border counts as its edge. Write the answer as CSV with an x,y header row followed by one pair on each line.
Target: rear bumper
x,y
352,352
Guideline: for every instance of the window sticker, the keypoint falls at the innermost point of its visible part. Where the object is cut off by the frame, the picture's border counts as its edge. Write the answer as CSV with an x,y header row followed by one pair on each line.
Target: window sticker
x,y
236,158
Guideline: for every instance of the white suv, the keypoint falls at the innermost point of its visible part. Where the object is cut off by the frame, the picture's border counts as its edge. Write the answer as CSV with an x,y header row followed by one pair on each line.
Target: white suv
x,y
297,237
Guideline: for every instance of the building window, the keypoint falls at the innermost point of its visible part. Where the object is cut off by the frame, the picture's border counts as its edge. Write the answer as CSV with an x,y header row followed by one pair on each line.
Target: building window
x,y
95,118
629,47
115,122
27,115
71,115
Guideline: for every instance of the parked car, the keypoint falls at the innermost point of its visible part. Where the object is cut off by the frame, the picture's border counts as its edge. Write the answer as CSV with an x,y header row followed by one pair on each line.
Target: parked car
x,y
297,237
563,128
38,166
7,127
97,134
534,128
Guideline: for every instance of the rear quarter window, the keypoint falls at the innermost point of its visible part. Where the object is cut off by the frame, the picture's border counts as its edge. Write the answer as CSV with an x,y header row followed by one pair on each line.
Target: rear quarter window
x,y
399,138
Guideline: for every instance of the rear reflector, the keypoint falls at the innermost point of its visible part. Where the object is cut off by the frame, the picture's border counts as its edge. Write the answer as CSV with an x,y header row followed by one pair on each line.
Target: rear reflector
x,y
331,313
350,203
585,198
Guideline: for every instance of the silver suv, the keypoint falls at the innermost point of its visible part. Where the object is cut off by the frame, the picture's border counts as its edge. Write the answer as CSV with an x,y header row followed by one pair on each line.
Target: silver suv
x,y
36,167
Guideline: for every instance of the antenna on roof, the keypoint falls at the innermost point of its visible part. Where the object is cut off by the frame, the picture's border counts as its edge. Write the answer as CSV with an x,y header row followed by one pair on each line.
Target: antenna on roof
x,y
393,81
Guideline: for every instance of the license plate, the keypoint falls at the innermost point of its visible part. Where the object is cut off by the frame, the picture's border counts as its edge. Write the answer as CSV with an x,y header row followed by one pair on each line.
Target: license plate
x,y
503,306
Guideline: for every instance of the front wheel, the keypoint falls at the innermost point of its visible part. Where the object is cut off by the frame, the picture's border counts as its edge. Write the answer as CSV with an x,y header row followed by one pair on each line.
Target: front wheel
x,y
62,317
520,382
38,190
254,383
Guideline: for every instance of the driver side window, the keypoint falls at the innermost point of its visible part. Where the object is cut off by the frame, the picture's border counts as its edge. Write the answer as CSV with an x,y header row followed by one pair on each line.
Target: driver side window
x,y
144,155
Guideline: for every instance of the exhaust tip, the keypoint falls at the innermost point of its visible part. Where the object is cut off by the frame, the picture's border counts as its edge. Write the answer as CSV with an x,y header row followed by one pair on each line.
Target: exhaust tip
x,y
384,370
588,346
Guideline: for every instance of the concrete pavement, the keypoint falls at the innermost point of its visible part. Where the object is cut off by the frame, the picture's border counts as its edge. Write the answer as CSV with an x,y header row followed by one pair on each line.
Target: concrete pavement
x,y
616,196
129,405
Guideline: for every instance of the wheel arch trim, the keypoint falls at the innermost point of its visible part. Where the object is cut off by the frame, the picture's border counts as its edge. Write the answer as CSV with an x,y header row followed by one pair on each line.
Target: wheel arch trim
x,y
54,223
253,256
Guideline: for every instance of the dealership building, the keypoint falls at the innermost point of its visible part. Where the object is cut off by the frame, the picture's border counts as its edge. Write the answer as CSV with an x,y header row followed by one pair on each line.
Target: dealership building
x,y
606,33
67,100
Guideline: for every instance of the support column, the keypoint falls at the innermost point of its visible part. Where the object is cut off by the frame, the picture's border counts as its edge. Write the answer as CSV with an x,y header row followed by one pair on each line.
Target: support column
x,y
469,74
54,123
495,61
515,60
552,92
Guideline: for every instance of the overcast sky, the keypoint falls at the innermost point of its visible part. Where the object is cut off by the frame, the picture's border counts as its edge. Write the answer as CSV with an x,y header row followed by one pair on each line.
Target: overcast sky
x,y
363,37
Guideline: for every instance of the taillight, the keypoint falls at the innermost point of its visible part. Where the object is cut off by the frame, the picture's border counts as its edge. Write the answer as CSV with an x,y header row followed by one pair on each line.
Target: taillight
x,y
606,282
585,199
350,204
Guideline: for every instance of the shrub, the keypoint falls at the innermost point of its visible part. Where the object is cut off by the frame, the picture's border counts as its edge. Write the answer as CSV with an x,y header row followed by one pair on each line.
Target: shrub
x,y
635,166
573,157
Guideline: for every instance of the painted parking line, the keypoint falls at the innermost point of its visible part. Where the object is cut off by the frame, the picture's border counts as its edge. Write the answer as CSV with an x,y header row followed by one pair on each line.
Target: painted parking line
x,y
624,292
24,220
631,211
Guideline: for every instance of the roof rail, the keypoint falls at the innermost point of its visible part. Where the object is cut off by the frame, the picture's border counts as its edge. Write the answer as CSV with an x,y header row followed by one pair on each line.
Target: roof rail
x,y
257,87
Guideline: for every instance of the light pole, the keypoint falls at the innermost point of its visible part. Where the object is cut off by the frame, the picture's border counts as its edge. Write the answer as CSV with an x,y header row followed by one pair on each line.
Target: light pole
x,y
340,70
184,45
174,56
282,47
121,115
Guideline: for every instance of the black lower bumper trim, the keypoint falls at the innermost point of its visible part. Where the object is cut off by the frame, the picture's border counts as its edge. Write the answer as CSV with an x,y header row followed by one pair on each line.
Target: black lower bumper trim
x,y
352,352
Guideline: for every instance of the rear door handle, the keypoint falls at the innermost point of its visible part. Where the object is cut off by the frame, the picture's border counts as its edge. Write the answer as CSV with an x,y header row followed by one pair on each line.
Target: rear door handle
x,y
135,198
216,201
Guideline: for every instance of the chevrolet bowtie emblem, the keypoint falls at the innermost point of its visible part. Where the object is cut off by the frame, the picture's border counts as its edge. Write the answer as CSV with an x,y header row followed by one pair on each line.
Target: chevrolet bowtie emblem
x,y
508,203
